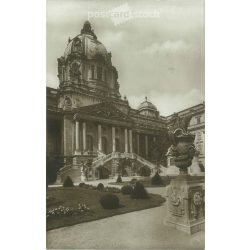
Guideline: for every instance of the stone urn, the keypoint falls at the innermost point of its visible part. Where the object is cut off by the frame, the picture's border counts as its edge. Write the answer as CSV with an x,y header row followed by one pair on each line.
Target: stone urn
x,y
183,150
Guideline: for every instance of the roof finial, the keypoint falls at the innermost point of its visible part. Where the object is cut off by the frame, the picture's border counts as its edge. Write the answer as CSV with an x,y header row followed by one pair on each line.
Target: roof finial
x,y
146,99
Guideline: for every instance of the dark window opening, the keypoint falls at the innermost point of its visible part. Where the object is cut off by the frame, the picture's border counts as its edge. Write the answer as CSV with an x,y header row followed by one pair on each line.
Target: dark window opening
x,y
99,73
92,71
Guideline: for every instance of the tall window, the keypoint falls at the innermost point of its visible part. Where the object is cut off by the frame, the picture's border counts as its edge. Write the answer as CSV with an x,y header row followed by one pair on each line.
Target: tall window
x,y
92,71
99,73
104,145
198,119
117,145
105,76
77,45
89,143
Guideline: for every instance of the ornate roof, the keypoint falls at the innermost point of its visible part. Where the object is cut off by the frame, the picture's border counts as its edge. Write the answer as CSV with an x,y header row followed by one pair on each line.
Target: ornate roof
x,y
146,105
87,44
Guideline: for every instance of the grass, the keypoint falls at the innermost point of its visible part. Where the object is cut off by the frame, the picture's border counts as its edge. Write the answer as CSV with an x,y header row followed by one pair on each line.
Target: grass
x,y
71,197
146,181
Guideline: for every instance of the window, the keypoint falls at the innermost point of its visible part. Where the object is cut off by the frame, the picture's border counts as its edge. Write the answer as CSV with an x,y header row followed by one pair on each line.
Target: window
x,y
117,145
99,73
104,145
198,120
105,76
92,71
89,143
77,45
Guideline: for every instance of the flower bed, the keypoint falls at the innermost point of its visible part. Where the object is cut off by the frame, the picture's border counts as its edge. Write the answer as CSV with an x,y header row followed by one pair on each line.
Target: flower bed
x,y
60,211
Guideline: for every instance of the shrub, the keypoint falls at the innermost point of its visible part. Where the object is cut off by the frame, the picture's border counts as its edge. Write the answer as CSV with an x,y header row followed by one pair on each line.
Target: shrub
x,y
109,201
133,181
68,182
119,179
139,192
127,189
145,171
100,187
82,184
156,179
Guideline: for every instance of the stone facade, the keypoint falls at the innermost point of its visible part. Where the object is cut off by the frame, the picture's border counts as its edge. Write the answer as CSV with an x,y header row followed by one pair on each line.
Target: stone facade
x,y
87,118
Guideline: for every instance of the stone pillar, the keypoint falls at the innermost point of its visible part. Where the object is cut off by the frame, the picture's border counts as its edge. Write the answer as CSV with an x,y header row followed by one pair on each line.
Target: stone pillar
x,y
146,146
126,140
113,139
138,143
84,145
77,151
130,141
99,137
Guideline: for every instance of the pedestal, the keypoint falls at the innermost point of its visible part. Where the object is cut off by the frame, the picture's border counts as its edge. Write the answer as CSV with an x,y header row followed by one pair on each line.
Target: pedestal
x,y
185,204
172,170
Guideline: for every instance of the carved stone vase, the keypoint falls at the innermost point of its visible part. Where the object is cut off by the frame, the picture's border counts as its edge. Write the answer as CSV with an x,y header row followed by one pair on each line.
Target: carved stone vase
x,y
183,151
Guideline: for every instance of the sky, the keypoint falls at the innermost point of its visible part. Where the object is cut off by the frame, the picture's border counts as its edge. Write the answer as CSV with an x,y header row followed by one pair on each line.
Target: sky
x,y
161,57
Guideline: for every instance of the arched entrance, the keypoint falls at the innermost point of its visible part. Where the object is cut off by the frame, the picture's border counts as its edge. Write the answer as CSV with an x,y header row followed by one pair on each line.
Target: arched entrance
x,y
103,172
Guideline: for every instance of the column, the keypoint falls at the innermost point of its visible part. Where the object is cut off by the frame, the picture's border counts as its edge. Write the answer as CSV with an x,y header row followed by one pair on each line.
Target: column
x,y
146,146
113,139
130,141
126,140
138,143
84,146
77,136
99,137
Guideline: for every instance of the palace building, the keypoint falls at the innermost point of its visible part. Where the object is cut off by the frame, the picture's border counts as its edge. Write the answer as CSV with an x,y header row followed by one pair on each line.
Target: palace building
x,y
88,119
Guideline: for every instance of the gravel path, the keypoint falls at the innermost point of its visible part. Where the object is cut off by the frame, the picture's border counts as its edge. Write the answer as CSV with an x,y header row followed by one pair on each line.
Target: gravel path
x,y
141,230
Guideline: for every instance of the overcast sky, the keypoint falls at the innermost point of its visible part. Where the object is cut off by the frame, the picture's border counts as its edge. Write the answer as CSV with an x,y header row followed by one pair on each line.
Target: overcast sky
x,y
160,57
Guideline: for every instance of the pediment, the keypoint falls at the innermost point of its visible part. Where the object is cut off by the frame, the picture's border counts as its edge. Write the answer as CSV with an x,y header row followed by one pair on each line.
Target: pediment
x,y
104,110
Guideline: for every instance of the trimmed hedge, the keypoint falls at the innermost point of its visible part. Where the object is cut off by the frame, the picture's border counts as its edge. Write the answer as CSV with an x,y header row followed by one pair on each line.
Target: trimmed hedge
x,y
139,192
119,179
133,181
156,179
145,171
109,201
100,187
127,189
68,182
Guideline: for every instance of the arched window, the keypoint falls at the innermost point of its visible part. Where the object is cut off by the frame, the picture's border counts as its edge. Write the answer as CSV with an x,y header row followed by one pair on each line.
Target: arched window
x,y
77,45
89,143
104,145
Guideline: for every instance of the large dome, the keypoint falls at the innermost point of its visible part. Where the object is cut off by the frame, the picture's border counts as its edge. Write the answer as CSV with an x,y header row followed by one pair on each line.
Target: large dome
x,y
146,105
87,44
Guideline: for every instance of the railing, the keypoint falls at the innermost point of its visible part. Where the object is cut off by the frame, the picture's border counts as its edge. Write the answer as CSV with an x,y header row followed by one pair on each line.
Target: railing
x,y
102,159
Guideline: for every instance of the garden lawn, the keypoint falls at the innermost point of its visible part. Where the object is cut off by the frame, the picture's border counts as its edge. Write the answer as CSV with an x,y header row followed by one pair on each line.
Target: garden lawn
x,y
146,181
71,197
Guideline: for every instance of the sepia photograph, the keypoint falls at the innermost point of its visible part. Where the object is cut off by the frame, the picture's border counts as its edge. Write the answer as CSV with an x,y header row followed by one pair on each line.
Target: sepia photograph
x,y
125,124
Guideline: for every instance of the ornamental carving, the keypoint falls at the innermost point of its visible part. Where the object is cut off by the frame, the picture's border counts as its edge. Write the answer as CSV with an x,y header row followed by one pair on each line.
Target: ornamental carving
x,y
197,204
197,198
176,206
67,103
